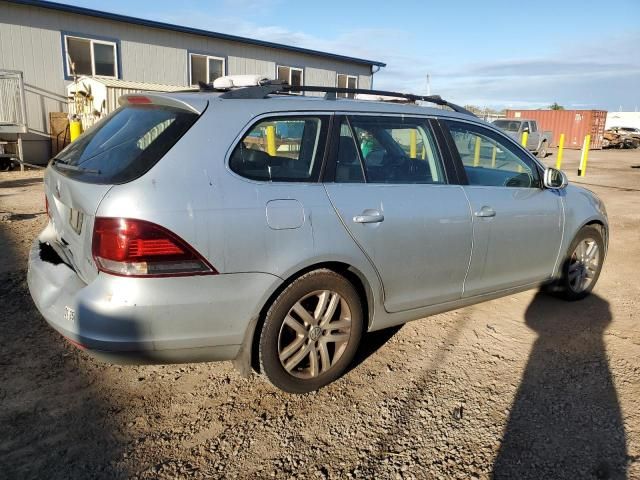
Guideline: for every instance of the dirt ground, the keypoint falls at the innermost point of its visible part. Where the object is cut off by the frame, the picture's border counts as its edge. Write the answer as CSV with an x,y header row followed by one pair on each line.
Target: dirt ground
x,y
522,387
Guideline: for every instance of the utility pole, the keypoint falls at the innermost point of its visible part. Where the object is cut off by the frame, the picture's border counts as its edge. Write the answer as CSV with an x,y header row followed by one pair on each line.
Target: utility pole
x,y
428,85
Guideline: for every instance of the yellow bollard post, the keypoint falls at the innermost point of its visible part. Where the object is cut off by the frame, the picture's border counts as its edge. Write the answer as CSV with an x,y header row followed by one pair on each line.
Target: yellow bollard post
x,y
413,144
560,152
493,157
476,153
75,129
271,140
525,137
582,169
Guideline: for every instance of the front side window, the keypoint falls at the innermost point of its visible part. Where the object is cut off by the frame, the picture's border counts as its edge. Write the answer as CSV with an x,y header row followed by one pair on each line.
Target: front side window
x,y
291,75
392,150
347,81
282,149
491,160
87,56
204,68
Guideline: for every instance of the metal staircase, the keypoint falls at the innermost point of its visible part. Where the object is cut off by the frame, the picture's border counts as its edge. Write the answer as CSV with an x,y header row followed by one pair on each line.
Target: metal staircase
x,y
13,118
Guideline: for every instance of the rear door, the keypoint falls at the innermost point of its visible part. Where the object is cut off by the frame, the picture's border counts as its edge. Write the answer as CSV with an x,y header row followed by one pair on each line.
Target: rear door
x,y
517,224
399,201
119,149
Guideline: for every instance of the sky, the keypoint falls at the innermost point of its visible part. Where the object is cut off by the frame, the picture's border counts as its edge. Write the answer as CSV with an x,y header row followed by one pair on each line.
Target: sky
x,y
581,54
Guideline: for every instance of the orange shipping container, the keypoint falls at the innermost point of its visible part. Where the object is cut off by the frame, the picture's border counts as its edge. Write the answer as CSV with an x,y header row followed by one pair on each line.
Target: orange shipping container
x,y
575,124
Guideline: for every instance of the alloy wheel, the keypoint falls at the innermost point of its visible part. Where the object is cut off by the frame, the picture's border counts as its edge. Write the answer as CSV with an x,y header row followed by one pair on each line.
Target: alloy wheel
x,y
315,333
583,265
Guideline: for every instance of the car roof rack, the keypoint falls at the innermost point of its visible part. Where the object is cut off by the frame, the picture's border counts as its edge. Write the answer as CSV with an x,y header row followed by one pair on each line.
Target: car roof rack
x,y
330,94
273,87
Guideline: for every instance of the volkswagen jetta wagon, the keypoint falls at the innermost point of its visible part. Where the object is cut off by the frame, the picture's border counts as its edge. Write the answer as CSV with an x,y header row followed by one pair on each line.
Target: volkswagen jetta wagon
x,y
275,229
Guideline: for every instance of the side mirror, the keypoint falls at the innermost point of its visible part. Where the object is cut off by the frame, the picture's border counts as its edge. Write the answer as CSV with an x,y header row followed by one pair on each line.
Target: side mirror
x,y
555,179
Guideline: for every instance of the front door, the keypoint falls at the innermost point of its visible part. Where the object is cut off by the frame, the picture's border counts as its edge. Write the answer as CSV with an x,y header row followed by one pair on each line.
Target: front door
x,y
517,224
391,192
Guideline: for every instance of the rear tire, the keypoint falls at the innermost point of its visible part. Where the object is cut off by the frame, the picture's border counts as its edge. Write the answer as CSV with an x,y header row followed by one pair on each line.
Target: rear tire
x,y
582,265
5,164
311,332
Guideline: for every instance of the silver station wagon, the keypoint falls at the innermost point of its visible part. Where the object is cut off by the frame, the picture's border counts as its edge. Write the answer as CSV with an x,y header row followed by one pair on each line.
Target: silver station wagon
x,y
255,224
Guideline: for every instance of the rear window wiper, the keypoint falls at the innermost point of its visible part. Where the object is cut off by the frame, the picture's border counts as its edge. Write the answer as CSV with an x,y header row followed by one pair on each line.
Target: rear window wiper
x,y
75,168
57,160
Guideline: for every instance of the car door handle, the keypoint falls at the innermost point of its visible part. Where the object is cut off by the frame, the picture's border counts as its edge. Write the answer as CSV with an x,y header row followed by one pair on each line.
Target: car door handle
x,y
485,212
369,216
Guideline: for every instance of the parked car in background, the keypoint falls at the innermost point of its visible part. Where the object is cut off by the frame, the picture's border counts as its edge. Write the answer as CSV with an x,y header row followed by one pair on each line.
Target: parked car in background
x,y
627,130
183,228
537,141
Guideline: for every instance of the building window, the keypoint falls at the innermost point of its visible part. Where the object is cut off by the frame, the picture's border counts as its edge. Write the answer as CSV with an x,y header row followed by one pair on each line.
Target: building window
x,y
347,81
87,56
291,75
204,68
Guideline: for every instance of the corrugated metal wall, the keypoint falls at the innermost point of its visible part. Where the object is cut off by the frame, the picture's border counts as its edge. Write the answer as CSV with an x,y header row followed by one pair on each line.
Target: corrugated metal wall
x,y
30,41
575,124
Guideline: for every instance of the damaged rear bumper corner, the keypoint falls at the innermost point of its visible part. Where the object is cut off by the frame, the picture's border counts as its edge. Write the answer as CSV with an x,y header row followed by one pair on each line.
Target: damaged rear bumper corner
x,y
156,320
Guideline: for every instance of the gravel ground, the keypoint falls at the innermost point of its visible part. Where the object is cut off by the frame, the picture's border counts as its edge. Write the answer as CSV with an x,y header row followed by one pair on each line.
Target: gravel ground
x,y
521,387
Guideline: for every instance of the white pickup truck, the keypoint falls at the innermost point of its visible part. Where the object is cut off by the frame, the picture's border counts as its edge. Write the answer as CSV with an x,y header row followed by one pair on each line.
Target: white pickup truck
x,y
537,141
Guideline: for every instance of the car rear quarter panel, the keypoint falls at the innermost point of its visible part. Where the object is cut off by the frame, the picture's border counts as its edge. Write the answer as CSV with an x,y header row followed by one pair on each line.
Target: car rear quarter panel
x,y
192,192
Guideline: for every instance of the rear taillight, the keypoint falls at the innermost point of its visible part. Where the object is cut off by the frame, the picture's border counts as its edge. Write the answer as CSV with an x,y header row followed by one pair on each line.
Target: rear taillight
x,y
138,100
138,248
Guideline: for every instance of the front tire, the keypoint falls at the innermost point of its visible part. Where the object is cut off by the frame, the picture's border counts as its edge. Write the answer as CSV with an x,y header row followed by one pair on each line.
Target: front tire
x,y
582,266
311,332
542,151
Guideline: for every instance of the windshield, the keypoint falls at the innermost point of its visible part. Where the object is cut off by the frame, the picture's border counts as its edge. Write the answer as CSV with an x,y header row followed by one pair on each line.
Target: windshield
x,y
124,145
508,125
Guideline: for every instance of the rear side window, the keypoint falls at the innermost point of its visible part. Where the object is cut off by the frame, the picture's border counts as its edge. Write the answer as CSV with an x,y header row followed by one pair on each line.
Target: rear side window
x,y
125,145
282,149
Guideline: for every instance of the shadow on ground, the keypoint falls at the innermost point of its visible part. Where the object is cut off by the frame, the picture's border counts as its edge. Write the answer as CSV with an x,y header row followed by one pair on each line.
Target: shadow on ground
x,y
566,420
371,342
54,420
20,182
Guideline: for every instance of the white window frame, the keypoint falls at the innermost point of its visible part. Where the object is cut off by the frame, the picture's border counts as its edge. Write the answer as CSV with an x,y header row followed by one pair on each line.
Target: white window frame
x,y
92,41
291,69
345,95
208,57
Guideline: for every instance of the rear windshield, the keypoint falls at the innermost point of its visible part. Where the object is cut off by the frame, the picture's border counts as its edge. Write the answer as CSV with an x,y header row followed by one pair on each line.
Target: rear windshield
x,y
125,145
508,126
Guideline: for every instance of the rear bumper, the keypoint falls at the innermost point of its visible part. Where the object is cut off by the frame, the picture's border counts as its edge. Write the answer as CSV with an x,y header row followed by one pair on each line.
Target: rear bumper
x,y
155,320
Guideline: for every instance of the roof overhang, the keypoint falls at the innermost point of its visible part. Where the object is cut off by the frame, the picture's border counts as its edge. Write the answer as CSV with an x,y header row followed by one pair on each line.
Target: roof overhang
x,y
193,31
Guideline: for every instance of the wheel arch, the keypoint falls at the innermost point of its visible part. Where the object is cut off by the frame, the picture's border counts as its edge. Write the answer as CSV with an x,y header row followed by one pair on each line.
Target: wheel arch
x,y
248,360
592,222
604,231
